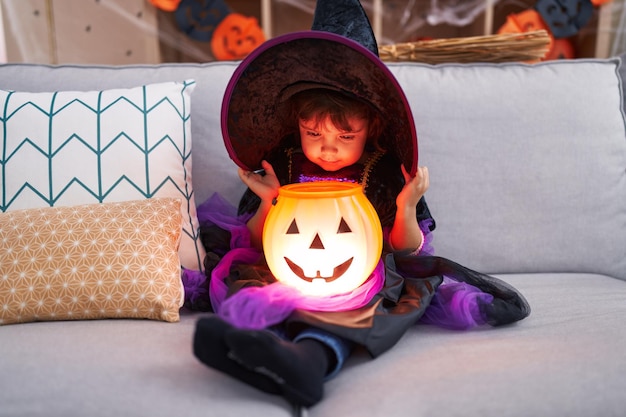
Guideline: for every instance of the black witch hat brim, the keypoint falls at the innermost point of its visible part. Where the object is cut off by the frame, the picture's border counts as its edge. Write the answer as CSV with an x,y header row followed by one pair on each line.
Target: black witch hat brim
x,y
251,125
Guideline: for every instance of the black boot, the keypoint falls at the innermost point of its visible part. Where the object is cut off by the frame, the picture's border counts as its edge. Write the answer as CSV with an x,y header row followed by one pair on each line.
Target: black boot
x,y
297,368
211,349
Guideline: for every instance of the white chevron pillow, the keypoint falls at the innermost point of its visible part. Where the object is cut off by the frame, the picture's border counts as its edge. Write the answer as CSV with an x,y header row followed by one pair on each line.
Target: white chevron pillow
x,y
67,148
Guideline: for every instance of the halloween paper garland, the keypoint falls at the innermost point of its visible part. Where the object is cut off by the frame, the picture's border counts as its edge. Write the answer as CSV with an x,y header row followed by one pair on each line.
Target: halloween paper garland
x,y
232,36
562,19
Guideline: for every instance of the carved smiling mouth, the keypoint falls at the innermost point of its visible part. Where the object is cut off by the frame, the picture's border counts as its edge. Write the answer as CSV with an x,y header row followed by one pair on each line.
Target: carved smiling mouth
x,y
337,272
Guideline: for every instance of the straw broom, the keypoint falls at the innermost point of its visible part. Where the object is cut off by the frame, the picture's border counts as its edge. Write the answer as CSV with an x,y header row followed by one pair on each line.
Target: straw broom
x,y
506,47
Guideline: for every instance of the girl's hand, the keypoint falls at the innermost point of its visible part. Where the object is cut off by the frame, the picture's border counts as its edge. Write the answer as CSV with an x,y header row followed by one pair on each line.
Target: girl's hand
x,y
414,188
265,186
405,233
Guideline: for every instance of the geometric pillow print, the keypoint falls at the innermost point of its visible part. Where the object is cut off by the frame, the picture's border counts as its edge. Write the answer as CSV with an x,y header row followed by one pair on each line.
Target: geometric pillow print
x,y
69,148
110,260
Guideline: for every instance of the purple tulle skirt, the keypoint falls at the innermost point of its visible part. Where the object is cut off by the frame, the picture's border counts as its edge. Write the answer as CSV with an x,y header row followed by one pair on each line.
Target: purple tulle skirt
x,y
455,304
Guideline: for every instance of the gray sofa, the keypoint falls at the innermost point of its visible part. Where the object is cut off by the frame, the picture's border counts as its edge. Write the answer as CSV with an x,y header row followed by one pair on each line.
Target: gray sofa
x,y
528,182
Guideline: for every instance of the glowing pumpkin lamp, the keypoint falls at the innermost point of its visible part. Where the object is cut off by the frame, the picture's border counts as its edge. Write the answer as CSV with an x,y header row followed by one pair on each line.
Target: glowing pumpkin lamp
x,y
324,238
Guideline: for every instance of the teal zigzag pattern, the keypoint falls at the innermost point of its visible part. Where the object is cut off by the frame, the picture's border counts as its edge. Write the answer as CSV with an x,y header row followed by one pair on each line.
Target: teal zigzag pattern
x,y
59,147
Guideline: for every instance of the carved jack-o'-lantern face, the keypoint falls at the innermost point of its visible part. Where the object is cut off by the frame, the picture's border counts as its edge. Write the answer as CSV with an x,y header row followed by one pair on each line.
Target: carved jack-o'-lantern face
x,y
235,37
323,238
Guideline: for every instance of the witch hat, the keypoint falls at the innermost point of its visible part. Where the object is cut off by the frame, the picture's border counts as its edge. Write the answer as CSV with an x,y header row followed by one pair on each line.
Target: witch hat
x,y
340,53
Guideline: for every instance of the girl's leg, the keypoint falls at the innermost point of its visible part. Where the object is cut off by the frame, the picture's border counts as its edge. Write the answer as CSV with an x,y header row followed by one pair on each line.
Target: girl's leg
x,y
341,348
300,367
211,349
296,370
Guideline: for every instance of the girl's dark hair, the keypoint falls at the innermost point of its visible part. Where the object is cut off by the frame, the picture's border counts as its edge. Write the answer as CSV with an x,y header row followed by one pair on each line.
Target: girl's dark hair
x,y
320,103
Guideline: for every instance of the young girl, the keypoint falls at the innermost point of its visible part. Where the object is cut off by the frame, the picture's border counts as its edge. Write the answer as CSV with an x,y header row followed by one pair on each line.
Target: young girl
x,y
313,106
335,138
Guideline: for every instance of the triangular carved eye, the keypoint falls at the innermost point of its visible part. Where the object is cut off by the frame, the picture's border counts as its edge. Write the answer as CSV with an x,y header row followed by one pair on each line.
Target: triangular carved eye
x,y
293,228
343,227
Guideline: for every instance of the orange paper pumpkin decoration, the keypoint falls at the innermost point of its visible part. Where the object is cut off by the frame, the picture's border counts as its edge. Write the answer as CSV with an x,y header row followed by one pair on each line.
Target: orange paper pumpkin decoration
x,y
561,49
235,37
323,238
526,21
167,5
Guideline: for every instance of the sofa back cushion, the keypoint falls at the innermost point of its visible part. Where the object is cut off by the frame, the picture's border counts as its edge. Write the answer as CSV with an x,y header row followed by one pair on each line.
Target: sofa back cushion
x,y
527,163
212,169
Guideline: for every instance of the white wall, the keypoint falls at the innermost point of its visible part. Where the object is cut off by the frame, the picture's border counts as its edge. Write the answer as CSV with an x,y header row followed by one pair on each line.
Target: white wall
x,y
80,31
3,48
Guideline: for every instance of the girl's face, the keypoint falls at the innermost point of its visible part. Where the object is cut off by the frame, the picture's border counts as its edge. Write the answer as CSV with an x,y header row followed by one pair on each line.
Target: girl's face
x,y
331,148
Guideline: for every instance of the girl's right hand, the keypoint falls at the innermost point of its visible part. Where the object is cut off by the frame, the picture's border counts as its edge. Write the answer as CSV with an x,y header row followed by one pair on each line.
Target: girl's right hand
x,y
264,186
414,188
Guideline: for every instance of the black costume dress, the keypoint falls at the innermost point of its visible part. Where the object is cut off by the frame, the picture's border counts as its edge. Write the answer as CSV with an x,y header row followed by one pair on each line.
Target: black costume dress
x,y
417,287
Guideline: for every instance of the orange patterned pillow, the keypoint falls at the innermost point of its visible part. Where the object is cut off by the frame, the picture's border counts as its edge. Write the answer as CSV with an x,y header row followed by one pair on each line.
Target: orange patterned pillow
x,y
111,260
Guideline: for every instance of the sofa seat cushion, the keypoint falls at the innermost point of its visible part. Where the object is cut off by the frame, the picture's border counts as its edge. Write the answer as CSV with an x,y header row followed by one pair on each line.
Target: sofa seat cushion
x,y
565,359
116,367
